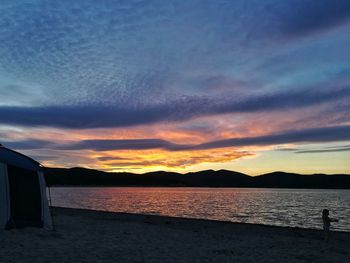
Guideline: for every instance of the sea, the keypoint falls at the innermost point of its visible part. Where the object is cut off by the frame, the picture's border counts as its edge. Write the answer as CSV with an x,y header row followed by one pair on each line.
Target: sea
x,y
277,207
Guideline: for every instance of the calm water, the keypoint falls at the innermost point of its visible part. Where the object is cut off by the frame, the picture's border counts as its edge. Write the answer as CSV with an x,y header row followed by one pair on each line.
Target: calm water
x,y
281,207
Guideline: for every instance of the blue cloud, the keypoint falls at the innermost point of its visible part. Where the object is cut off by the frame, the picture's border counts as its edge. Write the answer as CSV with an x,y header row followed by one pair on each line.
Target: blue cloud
x,y
323,134
307,16
136,144
120,116
28,144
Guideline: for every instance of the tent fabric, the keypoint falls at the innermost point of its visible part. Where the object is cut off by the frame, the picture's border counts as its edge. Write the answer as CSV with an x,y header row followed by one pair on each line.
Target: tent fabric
x,y
4,202
11,157
23,198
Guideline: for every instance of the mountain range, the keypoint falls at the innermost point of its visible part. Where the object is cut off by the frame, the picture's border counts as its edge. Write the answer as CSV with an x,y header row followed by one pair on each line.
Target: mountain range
x,y
207,178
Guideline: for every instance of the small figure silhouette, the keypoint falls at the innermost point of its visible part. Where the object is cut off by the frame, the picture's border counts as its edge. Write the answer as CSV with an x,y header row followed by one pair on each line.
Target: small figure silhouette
x,y
327,223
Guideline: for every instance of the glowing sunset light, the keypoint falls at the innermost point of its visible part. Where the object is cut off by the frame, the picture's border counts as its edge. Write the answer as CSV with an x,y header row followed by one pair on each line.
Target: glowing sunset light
x,y
177,85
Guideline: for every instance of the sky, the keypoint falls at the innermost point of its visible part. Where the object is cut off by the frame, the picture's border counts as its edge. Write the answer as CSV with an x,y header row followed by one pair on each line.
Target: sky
x,y
145,85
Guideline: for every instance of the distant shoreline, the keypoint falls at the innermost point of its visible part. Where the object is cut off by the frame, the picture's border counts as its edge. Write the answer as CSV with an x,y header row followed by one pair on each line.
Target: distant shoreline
x,y
208,187
81,177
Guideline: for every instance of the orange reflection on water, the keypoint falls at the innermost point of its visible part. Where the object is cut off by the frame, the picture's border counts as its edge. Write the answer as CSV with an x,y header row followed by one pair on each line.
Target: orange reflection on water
x,y
283,207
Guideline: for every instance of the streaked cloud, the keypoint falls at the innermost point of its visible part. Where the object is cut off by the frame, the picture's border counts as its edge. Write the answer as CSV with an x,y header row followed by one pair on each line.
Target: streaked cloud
x,y
28,144
119,116
298,18
160,159
306,17
325,150
324,134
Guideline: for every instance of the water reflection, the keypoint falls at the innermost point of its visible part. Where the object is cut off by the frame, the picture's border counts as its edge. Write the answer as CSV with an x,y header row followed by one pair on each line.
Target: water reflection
x,y
283,207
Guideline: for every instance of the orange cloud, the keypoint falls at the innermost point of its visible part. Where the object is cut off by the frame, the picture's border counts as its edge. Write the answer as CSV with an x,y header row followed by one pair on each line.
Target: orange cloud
x,y
164,160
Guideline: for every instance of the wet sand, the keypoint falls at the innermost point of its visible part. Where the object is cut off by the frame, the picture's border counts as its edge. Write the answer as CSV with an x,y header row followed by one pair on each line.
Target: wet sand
x,y
93,236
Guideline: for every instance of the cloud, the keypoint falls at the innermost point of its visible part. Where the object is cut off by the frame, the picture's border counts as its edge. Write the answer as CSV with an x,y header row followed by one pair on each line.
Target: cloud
x,y
175,159
28,144
315,135
324,134
158,153
338,147
98,116
110,158
295,18
14,94
307,16
102,53
286,100
44,157
137,144
343,149
286,149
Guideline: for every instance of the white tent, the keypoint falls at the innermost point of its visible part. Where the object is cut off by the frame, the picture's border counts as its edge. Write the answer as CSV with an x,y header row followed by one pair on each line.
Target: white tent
x,y
23,200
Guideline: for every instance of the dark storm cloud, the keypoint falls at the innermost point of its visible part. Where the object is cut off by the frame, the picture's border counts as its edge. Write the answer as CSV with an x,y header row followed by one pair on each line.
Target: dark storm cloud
x,y
80,117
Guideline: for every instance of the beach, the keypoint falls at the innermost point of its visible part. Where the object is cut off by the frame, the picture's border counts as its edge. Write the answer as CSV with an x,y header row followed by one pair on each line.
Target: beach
x,y
95,236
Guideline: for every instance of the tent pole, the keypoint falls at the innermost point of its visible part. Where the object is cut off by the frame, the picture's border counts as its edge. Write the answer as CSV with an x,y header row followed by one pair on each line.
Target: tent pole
x,y
50,205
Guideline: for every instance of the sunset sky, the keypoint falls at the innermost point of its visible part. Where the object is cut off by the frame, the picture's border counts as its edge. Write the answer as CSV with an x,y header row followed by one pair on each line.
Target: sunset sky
x,y
141,85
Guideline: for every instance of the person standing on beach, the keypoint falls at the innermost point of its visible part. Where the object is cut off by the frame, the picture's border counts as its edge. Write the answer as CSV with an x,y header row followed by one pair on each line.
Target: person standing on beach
x,y
327,223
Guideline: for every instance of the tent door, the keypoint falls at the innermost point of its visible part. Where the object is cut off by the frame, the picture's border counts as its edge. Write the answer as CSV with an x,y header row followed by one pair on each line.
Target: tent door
x,y
25,197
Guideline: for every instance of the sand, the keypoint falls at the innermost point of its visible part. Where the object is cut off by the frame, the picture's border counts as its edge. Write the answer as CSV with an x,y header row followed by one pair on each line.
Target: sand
x,y
92,236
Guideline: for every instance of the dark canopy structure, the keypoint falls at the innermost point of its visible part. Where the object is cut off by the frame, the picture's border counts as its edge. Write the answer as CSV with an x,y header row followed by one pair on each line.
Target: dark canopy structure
x,y
23,199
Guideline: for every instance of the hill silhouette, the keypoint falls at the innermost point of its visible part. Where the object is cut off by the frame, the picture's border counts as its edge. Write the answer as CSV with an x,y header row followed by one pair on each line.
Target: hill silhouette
x,y
207,178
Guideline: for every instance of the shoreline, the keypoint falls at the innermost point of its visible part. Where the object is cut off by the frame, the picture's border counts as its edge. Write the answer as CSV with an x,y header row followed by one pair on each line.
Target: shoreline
x,y
97,236
184,186
205,178
135,217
